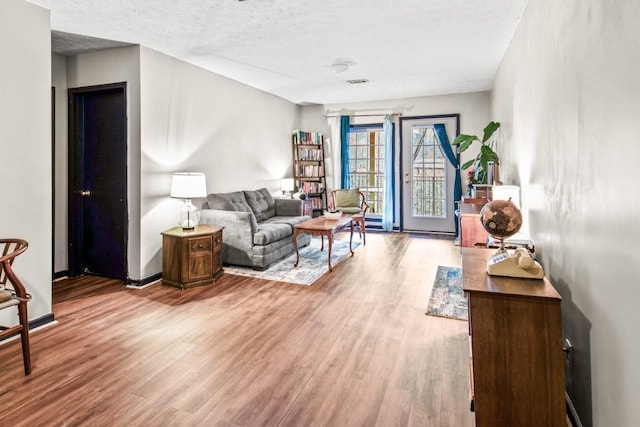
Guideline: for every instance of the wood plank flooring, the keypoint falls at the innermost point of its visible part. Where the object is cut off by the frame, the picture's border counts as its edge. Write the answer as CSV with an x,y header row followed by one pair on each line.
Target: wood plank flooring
x,y
353,349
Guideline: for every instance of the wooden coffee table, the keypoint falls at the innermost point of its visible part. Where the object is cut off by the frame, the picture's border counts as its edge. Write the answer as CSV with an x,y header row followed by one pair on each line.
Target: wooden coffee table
x,y
321,226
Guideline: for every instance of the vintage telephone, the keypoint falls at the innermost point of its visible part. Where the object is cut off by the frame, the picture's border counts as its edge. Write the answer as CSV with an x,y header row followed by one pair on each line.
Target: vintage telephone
x,y
517,264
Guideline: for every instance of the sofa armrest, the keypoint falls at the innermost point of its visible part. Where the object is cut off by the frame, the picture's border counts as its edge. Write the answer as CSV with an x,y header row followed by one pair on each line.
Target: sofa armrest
x,y
289,207
239,227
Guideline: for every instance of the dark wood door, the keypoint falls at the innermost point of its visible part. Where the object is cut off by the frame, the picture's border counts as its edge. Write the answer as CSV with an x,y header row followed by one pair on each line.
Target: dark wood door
x,y
98,180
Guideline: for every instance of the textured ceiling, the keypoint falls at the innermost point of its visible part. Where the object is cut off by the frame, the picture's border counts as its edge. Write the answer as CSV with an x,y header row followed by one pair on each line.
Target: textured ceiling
x,y
404,48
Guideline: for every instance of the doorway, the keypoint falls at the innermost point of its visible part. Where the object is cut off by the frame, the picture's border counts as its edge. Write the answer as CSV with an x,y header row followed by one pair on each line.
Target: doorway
x,y
427,177
98,181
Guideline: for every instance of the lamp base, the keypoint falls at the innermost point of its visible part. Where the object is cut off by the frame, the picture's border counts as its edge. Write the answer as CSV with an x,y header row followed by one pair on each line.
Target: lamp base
x,y
189,216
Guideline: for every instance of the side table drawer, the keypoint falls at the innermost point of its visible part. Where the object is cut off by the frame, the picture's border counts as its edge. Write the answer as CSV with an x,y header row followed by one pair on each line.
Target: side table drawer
x,y
200,245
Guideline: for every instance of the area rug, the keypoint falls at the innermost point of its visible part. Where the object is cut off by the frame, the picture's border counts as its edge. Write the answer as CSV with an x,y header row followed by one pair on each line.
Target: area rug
x,y
447,298
313,264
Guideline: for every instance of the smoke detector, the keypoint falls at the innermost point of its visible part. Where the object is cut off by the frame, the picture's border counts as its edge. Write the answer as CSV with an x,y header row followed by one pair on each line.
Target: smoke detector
x,y
341,65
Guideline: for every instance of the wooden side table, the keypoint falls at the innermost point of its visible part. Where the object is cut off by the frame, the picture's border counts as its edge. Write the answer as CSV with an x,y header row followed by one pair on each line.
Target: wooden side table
x,y
191,257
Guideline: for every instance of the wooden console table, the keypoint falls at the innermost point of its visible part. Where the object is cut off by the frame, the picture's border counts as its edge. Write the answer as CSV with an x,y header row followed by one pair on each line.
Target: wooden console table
x,y
515,331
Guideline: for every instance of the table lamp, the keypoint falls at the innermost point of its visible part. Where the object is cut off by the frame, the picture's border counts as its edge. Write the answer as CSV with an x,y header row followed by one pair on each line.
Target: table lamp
x,y
187,185
286,184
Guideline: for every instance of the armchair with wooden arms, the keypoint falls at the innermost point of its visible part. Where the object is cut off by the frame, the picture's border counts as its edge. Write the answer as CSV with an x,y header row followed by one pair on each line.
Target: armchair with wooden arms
x,y
352,202
14,295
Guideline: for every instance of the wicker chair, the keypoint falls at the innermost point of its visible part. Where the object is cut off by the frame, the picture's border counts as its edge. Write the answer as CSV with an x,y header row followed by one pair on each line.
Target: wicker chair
x,y
352,203
14,295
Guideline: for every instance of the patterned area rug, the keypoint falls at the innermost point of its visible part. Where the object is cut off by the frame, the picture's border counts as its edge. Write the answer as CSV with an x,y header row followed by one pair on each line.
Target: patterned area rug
x,y
313,264
447,298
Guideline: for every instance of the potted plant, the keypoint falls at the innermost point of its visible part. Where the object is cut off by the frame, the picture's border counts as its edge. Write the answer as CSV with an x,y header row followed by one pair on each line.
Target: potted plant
x,y
485,155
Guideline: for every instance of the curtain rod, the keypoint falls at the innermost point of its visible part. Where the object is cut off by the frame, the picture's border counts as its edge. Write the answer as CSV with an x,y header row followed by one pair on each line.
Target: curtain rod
x,y
359,115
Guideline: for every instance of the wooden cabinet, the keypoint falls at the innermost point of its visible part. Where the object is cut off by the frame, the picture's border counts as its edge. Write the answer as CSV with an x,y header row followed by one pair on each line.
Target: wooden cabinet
x,y
471,231
191,257
308,168
515,331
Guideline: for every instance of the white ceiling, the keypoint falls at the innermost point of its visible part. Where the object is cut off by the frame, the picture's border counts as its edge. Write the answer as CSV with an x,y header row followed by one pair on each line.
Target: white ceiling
x,y
404,48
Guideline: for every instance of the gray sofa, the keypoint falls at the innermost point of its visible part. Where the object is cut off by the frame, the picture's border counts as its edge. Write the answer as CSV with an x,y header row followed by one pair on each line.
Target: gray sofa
x,y
258,229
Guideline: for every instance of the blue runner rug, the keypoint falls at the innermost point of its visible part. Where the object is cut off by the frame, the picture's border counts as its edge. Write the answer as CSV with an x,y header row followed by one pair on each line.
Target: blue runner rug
x,y
447,298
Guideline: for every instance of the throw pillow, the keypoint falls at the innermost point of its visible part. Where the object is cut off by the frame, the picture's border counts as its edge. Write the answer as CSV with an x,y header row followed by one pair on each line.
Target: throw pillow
x,y
347,198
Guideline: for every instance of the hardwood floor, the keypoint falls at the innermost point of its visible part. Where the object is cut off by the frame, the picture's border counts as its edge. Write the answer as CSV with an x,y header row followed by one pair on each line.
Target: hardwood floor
x,y
354,349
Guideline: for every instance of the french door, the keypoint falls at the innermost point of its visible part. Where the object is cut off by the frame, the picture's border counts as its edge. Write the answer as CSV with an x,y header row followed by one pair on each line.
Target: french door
x,y
427,177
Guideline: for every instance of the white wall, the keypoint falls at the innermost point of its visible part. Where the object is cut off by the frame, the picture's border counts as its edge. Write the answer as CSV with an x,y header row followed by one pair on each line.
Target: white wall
x,y
25,144
180,118
195,120
59,82
473,108
568,96
113,66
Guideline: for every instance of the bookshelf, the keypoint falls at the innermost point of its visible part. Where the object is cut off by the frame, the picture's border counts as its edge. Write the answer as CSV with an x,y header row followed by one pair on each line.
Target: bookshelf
x,y
308,168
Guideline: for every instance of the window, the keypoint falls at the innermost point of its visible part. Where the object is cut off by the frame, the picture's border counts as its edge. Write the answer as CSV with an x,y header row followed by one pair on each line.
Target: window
x,y
429,174
366,164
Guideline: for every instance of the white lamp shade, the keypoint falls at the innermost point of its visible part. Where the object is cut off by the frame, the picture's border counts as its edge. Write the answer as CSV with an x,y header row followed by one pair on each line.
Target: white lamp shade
x,y
286,184
188,185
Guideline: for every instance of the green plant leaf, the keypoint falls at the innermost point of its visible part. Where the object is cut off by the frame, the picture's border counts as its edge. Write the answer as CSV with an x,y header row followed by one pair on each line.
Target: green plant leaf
x,y
464,140
468,164
488,155
463,147
489,130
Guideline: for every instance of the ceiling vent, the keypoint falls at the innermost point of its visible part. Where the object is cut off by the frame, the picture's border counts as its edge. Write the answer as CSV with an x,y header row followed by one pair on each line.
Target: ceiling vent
x,y
357,81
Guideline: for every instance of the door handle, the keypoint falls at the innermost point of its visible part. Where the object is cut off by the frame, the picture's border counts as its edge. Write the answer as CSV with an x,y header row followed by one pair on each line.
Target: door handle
x,y
85,193
406,178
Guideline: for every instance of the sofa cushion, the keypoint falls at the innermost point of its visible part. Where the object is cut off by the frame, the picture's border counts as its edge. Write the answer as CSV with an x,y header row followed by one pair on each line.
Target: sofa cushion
x,y
262,203
347,198
228,202
290,220
270,232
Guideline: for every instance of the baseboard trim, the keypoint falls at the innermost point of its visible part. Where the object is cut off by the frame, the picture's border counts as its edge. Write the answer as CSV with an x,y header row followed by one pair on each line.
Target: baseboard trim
x,y
571,412
41,321
60,274
35,324
143,283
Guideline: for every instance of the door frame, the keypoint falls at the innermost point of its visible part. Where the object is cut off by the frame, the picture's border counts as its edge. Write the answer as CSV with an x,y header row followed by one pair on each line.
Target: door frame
x,y
74,169
455,116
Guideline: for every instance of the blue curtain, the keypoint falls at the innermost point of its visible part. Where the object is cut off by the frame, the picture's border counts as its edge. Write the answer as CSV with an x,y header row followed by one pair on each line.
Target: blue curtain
x,y
387,214
344,151
443,140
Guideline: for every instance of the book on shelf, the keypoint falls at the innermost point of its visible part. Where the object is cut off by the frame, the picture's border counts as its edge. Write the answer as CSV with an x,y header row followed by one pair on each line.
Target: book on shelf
x,y
301,137
309,154
316,203
311,171
312,187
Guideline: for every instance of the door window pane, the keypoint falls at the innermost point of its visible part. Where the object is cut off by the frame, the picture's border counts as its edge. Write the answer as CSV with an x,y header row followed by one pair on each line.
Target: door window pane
x,y
429,174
